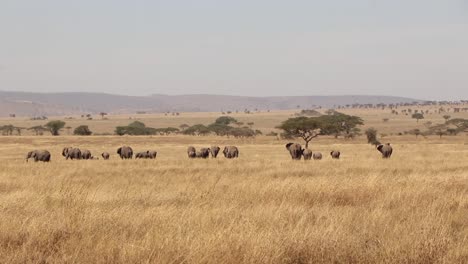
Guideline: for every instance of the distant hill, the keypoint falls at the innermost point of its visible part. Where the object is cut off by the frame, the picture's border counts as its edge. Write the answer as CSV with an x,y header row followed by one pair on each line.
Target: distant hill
x,y
36,104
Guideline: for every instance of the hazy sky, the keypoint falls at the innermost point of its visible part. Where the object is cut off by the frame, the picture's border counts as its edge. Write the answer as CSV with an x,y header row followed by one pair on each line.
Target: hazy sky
x,y
414,48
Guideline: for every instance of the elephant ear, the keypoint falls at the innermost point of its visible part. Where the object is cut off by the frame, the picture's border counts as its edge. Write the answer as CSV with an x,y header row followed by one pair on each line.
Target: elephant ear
x,y
379,148
289,144
119,150
64,152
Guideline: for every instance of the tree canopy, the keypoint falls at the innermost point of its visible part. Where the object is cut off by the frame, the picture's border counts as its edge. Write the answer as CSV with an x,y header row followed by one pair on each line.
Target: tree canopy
x,y
135,128
197,130
308,128
55,126
225,120
418,116
82,130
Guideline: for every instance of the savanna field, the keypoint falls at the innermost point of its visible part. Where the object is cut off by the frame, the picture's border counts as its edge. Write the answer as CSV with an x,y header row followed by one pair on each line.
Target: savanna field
x,y
260,208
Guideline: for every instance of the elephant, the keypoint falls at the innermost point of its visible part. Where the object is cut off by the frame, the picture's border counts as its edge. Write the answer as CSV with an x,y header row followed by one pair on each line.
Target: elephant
x,y
307,153
86,155
386,150
231,152
203,153
71,153
152,154
191,152
214,151
38,155
146,155
125,152
335,154
295,150
317,156
142,155
105,155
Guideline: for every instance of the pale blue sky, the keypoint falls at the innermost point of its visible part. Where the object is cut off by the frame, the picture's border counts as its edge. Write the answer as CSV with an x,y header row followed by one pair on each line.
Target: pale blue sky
x,y
414,48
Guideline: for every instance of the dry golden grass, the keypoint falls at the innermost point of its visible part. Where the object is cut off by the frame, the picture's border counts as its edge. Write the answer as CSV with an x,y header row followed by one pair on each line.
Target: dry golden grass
x,y
261,208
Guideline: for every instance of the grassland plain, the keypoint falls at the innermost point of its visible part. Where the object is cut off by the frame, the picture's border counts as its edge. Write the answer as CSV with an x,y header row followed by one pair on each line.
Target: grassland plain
x,y
261,208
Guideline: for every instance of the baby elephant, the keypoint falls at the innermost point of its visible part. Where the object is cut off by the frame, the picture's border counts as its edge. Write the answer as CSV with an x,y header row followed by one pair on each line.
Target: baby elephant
x,y
335,154
38,155
105,155
141,155
146,155
86,155
307,153
317,156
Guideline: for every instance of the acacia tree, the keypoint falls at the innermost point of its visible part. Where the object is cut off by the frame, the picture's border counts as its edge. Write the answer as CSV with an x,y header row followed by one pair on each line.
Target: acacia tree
x,y
7,130
439,130
225,120
197,130
417,116
55,126
38,129
309,128
460,123
303,127
184,126
340,124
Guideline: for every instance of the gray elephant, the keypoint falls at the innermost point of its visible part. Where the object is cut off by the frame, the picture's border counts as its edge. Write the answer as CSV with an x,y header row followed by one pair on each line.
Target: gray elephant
x,y
214,151
38,155
152,154
105,155
335,154
191,152
203,153
317,156
86,154
231,152
386,150
142,155
307,153
71,153
125,152
295,150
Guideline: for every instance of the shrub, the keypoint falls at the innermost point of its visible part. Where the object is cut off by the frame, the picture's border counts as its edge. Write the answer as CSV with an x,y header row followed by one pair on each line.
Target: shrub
x,y
82,130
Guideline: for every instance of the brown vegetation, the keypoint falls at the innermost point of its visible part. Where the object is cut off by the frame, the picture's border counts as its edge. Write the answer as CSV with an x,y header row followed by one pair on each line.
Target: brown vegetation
x,y
260,208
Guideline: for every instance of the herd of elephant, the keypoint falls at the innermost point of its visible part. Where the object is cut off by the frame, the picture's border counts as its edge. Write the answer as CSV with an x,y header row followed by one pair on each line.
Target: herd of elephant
x,y
126,152
296,151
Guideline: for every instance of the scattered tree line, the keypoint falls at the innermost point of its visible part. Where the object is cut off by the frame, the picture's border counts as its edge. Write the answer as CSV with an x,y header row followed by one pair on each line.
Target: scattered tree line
x,y
221,127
